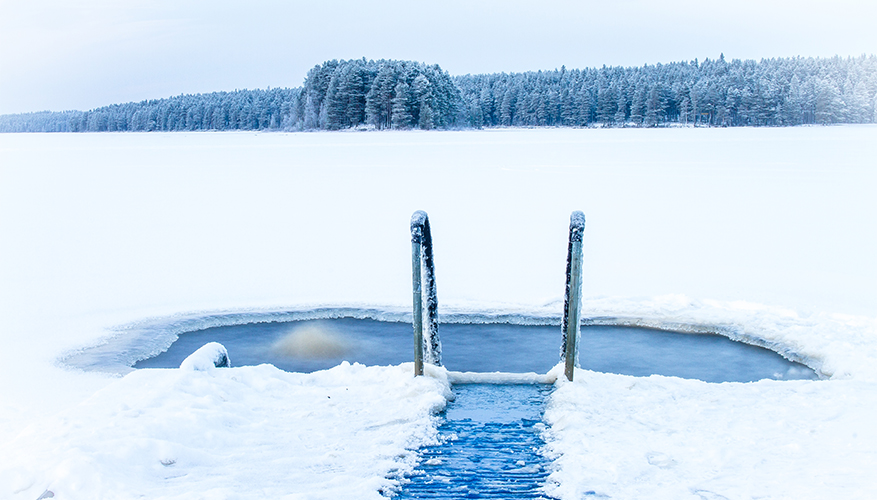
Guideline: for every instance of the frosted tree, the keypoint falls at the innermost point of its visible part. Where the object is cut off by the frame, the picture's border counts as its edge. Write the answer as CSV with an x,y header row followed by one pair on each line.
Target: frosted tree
x,y
356,86
605,102
770,92
507,107
859,109
379,105
828,103
654,107
425,121
401,115
793,108
621,109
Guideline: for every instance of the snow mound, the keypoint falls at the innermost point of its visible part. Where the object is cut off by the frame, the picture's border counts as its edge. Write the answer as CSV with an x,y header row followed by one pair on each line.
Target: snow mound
x,y
209,356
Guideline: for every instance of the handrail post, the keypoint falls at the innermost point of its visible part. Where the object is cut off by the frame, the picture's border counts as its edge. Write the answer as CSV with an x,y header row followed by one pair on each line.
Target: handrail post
x,y
572,303
427,348
418,305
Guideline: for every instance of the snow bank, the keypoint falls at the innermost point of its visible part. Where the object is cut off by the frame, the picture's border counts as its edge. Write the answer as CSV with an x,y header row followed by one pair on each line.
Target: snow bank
x,y
670,438
614,436
247,432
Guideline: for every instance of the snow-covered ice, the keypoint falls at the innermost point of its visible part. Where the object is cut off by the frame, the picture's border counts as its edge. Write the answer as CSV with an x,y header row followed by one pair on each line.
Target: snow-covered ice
x,y
767,235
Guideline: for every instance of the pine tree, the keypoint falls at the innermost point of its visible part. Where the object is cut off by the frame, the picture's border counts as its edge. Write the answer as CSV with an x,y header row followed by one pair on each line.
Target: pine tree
x,y
606,102
507,107
793,110
621,110
426,121
401,117
654,107
379,105
356,95
684,111
637,105
828,103
336,101
312,113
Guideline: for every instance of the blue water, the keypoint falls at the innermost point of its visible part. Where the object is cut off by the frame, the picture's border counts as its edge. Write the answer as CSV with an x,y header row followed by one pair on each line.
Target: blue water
x,y
491,443
489,347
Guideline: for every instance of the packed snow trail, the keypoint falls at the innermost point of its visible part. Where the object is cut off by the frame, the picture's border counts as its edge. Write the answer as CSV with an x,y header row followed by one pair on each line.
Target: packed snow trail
x,y
491,446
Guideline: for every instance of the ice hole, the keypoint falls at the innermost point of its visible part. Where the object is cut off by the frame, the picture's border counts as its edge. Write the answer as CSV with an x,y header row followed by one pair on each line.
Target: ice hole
x,y
311,345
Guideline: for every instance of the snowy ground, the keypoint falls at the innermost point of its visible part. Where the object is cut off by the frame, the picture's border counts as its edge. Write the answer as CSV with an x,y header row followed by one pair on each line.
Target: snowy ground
x,y
769,233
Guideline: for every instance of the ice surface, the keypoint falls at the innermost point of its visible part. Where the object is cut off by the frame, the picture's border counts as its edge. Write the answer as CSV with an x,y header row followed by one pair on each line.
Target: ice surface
x,y
768,234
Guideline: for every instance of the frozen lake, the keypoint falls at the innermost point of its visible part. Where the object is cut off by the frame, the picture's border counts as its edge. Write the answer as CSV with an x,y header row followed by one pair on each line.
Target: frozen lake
x,y
769,232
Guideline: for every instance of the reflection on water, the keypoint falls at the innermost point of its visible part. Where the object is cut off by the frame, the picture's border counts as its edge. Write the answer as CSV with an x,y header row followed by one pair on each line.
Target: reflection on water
x,y
306,346
313,340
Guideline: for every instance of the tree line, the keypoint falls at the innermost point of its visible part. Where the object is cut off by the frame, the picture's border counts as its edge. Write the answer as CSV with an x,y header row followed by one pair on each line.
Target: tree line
x,y
772,92
238,110
388,94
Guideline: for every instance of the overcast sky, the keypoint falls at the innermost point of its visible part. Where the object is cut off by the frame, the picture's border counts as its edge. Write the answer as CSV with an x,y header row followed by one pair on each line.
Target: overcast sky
x,y
81,54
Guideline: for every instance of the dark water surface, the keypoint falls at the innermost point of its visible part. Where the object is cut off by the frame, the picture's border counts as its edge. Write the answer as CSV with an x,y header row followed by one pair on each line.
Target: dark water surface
x,y
306,346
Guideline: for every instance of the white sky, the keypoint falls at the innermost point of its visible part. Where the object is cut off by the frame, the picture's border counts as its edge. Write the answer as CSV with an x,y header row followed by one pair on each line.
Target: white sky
x,y
81,54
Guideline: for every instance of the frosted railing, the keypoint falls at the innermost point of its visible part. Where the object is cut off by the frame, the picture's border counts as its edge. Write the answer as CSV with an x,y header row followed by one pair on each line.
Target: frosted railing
x,y
427,346
572,301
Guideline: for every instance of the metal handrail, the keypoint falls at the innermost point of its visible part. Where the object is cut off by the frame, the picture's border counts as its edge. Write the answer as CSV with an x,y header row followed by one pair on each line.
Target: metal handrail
x,y
572,301
428,347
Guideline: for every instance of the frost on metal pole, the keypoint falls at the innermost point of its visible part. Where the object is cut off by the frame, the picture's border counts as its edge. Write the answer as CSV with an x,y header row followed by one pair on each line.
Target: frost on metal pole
x,y
572,300
427,346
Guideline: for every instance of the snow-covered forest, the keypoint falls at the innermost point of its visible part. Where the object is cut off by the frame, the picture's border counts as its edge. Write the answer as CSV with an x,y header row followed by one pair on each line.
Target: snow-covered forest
x,y
403,95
